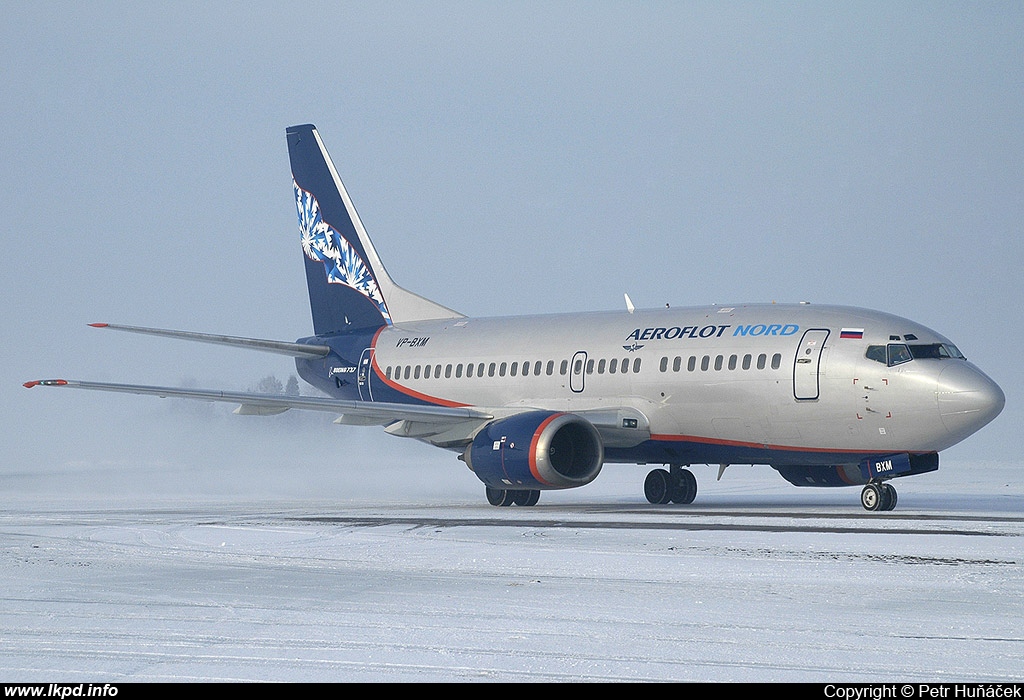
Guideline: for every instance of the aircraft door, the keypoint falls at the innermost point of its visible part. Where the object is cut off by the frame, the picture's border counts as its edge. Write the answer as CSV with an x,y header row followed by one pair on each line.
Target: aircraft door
x,y
363,373
578,372
807,363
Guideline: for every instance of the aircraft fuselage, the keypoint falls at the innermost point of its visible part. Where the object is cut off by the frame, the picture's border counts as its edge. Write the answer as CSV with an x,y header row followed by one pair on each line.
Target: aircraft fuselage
x,y
753,383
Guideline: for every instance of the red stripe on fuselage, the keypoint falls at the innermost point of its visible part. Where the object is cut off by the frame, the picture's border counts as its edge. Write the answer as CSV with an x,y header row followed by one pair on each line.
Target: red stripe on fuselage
x,y
437,401
758,445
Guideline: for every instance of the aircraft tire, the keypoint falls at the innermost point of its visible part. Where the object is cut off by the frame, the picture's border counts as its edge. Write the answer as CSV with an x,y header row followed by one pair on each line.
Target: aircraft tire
x,y
499,497
526,497
658,487
685,488
871,497
889,496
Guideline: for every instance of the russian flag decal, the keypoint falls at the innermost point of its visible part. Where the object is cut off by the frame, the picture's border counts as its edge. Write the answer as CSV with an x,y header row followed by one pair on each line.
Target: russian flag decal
x,y
856,333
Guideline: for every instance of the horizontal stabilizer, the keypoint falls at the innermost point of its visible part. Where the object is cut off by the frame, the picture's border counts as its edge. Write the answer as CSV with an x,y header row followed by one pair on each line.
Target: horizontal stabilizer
x,y
279,347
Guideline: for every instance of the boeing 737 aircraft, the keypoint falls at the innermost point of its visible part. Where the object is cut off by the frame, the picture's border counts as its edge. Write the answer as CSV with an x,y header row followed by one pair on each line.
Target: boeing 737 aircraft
x,y
825,395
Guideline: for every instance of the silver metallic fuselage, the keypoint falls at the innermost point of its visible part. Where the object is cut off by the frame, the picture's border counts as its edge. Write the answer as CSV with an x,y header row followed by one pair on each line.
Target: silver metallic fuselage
x,y
822,394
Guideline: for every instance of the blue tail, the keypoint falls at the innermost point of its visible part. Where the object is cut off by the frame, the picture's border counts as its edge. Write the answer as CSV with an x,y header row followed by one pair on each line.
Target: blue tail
x,y
349,289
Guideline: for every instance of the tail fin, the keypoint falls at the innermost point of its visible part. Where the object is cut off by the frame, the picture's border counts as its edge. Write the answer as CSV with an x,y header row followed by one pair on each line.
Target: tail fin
x,y
349,289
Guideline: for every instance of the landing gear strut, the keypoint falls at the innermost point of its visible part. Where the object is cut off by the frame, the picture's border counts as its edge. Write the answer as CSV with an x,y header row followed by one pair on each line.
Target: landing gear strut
x,y
878,496
506,497
674,485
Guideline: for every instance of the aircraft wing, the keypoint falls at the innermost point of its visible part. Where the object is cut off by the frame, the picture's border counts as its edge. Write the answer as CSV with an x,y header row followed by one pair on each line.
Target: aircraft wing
x,y
429,419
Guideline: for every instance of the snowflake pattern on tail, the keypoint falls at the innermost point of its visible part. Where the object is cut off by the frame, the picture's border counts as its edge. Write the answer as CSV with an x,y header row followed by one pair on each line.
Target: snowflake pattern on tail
x,y
322,243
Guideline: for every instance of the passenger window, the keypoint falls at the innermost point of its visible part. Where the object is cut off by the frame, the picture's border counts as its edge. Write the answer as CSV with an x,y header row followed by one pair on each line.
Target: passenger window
x,y
677,363
636,366
691,364
458,370
590,366
563,368
577,367
746,362
776,361
514,369
732,362
624,367
551,367
705,362
601,364
526,369
437,371
490,369
536,368
480,370
613,366
387,372
664,364
502,368
761,360
408,371
416,372
469,369
448,372
718,363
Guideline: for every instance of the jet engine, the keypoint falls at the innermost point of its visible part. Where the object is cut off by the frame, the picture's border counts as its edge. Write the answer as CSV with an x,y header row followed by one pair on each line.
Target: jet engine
x,y
536,450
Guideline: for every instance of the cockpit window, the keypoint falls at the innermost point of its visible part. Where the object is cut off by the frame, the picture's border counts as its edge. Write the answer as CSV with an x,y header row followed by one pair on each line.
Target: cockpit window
x,y
898,354
936,351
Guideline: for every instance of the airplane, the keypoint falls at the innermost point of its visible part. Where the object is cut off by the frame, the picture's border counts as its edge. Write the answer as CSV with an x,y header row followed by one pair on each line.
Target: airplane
x,y
825,395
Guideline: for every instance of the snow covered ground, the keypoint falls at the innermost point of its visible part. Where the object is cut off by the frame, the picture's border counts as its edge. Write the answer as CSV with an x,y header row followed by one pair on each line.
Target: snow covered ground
x,y
758,581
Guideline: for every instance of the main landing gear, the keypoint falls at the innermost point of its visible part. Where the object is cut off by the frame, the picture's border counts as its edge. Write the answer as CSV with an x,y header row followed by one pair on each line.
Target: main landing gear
x,y
507,497
878,496
674,485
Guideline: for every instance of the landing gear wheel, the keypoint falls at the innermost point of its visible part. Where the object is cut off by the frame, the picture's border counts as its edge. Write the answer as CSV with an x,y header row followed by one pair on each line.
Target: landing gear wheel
x,y
889,497
658,487
685,487
871,497
526,497
499,497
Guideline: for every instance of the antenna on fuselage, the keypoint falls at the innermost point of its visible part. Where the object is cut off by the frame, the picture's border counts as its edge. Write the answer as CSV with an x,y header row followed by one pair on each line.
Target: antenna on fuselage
x,y
629,304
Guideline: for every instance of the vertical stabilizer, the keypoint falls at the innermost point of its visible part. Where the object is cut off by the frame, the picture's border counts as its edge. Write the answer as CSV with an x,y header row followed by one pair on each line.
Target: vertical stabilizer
x,y
349,289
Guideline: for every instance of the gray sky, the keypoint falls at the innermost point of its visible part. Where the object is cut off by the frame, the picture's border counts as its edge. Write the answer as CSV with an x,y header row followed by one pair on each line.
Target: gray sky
x,y
514,158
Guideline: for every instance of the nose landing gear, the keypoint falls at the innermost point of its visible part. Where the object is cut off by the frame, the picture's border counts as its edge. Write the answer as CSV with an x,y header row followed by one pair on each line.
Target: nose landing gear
x,y
878,496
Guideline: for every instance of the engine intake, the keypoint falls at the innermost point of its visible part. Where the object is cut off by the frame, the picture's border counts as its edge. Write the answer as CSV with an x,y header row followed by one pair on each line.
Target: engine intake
x,y
537,450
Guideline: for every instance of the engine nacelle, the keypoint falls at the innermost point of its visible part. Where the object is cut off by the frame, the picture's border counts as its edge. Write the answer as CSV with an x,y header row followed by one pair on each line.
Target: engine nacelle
x,y
537,450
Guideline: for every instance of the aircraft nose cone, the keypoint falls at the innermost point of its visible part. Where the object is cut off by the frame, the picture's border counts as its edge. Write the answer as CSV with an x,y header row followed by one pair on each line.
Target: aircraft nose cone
x,y
967,398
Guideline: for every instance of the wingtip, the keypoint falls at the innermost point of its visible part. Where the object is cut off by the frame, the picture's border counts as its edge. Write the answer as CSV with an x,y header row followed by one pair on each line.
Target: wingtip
x,y
99,325
45,382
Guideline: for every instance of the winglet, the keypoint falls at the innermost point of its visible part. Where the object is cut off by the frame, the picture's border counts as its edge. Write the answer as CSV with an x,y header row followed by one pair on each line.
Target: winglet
x,y
45,382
